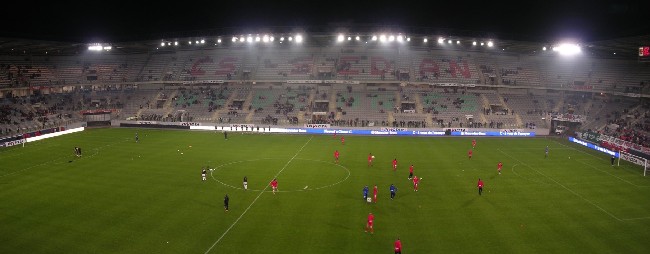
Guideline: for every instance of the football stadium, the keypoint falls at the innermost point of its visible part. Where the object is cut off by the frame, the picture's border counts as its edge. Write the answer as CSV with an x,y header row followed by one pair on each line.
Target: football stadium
x,y
290,140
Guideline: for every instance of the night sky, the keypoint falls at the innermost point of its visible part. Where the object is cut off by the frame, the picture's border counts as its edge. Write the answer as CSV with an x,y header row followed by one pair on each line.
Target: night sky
x,y
130,20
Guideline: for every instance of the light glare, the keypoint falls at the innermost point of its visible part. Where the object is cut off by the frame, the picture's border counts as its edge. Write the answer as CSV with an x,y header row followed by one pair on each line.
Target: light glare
x,y
568,49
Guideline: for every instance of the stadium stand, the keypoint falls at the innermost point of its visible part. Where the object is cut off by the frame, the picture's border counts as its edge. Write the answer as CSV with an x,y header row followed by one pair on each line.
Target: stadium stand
x,y
406,87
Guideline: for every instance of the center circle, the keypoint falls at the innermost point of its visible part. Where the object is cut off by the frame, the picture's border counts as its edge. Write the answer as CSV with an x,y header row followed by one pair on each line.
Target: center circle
x,y
295,175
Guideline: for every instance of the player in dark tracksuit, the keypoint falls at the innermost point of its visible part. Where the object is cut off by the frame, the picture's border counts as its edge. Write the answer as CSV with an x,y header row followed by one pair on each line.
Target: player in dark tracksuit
x,y
225,202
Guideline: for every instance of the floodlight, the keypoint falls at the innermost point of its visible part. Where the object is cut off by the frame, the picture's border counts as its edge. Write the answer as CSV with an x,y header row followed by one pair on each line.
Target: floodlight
x,y
441,40
391,38
349,38
162,44
408,38
340,38
197,42
242,39
425,40
202,41
449,41
95,48
382,38
190,42
474,43
107,47
457,42
175,43
257,39
482,43
272,38
169,44
249,39
357,38
234,39
290,38
399,38
544,48
568,49
282,38
299,38
490,44
218,40
374,37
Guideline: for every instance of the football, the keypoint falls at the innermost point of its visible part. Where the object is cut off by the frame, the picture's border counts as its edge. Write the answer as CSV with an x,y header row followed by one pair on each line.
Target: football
x,y
373,156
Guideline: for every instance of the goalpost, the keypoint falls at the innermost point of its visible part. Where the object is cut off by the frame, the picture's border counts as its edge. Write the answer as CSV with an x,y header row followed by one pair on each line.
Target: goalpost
x,y
634,159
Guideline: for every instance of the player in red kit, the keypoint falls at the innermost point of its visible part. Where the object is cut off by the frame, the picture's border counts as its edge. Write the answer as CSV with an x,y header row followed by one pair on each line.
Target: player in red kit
x,y
370,158
274,185
336,156
398,246
343,140
371,219
416,180
411,172
394,164
499,166
480,186
469,153
473,143
374,193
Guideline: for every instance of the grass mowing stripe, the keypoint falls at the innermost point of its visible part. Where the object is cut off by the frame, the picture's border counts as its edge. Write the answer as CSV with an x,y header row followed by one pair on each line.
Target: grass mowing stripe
x,y
258,196
566,188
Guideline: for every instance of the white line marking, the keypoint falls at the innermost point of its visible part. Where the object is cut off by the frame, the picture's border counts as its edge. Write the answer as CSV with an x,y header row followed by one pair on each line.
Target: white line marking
x,y
558,183
613,175
217,169
640,218
55,161
258,196
526,178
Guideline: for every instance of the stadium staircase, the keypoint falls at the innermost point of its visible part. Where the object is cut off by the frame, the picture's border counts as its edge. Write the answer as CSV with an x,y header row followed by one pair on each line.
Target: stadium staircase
x,y
419,108
559,104
332,104
215,115
485,104
168,104
398,99
310,101
518,120
418,103
247,103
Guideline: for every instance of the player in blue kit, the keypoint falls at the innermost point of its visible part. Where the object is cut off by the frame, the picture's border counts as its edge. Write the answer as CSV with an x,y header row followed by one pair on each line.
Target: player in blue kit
x,y
365,193
393,191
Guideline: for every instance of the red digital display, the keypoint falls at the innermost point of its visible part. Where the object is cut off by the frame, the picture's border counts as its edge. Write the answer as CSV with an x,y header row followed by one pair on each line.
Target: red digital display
x,y
644,51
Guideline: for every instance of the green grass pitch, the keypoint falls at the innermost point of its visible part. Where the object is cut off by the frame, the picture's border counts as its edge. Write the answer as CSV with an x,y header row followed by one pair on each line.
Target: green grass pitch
x,y
147,197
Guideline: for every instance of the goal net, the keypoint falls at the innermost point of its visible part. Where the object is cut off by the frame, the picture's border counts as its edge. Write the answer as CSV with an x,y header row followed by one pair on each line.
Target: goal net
x,y
643,162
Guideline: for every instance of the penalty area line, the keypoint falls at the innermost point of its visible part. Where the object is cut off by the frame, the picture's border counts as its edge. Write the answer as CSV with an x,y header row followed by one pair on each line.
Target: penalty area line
x,y
256,198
